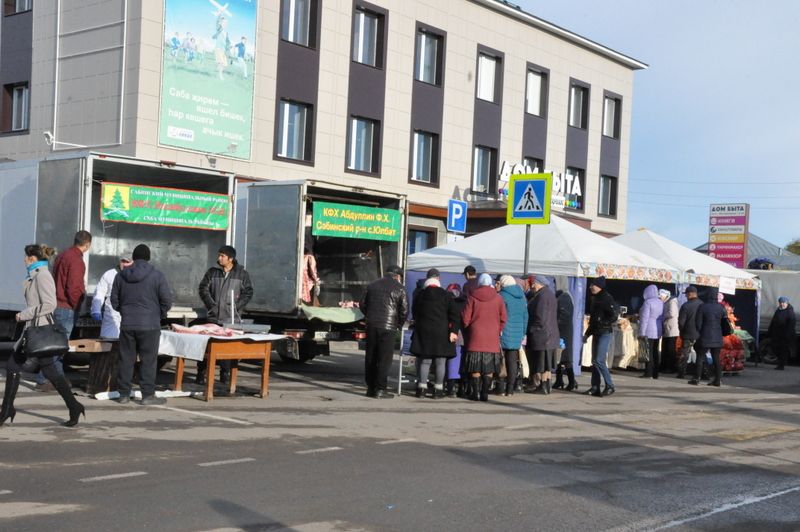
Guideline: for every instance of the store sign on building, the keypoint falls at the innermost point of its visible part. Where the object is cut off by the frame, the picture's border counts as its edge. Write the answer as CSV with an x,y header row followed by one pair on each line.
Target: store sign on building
x,y
727,233
568,190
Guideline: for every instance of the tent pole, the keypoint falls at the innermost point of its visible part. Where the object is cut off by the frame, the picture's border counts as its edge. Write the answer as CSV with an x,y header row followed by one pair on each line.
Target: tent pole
x,y
527,249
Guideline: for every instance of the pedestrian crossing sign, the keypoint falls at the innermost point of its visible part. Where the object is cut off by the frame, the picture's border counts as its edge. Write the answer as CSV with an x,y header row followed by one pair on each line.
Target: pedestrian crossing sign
x,y
529,199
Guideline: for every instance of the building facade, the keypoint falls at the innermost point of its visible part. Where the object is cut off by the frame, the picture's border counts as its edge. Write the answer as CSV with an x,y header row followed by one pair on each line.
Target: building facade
x,y
436,99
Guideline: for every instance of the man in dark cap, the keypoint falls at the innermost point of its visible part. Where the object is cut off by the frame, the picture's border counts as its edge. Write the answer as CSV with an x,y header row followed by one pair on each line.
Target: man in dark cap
x,y
471,284
141,295
225,290
687,328
385,307
602,316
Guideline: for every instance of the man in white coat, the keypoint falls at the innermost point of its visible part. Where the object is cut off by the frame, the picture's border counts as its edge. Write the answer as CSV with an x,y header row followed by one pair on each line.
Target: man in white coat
x,y
101,303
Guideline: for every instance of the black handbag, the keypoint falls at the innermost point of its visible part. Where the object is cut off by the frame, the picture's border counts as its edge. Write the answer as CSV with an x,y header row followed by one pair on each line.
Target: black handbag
x,y
44,340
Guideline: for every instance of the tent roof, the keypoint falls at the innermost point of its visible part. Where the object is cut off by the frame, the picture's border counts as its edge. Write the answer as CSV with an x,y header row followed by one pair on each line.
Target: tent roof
x,y
559,248
699,268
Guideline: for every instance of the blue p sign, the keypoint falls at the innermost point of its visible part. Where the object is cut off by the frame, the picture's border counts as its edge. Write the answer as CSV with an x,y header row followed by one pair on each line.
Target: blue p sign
x,y
457,216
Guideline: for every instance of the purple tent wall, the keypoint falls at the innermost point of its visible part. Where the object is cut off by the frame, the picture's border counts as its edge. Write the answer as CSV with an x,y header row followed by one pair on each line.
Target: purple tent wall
x,y
577,289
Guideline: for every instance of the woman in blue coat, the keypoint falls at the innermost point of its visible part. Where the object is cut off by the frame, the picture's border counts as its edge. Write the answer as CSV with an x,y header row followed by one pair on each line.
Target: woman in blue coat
x,y
514,330
709,321
650,325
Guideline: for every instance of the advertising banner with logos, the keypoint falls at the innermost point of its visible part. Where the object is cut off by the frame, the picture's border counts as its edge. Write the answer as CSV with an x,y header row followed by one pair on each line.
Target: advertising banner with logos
x,y
727,233
173,207
207,76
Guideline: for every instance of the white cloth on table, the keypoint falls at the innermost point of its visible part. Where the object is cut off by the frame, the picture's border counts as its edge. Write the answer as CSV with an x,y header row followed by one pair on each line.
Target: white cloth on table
x,y
193,346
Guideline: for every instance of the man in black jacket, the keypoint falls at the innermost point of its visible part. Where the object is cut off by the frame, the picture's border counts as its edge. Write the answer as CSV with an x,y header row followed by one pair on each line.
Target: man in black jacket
x,y
222,307
385,306
687,328
142,297
602,316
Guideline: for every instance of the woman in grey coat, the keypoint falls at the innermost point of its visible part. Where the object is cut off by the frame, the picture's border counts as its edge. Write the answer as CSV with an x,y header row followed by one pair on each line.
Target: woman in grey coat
x,y
40,300
670,331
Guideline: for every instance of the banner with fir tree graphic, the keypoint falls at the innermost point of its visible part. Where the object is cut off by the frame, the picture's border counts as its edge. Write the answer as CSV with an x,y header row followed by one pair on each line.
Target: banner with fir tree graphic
x,y
164,206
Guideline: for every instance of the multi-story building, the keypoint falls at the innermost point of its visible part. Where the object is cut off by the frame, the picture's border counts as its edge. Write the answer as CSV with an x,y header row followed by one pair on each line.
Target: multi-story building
x,y
436,99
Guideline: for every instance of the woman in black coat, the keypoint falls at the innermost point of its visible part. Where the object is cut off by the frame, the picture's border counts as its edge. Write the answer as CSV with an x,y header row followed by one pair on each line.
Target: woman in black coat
x,y
782,331
436,324
709,321
564,310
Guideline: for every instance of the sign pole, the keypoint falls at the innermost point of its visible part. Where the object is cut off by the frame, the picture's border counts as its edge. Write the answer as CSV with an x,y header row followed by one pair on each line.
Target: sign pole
x,y
527,250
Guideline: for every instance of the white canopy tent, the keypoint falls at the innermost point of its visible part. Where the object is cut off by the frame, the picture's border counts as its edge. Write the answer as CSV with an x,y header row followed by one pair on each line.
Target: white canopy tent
x,y
695,268
560,249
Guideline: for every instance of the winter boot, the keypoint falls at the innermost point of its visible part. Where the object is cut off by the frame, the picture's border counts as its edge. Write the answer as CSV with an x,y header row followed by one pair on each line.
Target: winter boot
x,y
475,388
7,410
573,384
500,389
463,388
559,384
75,408
486,383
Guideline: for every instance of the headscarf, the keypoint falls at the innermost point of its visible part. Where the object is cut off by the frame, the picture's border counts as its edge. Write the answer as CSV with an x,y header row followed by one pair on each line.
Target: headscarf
x,y
664,294
485,280
507,280
454,289
433,281
783,299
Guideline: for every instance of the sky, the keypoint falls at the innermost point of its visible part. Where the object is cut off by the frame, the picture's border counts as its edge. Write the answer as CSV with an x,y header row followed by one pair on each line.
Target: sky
x,y
714,116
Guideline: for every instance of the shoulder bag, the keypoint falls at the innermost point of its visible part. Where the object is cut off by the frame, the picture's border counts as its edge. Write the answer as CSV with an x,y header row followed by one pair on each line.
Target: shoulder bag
x,y
44,340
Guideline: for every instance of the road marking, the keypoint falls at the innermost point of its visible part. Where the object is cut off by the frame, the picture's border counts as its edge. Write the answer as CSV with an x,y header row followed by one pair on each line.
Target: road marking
x,y
727,508
113,477
390,442
226,462
6,492
322,450
201,414
11,510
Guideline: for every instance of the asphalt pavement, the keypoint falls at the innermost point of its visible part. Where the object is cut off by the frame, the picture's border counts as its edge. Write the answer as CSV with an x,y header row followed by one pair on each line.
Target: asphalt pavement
x,y
319,455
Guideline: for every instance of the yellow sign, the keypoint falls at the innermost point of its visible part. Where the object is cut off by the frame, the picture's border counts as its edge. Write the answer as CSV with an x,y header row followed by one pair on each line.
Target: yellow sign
x,y
730,239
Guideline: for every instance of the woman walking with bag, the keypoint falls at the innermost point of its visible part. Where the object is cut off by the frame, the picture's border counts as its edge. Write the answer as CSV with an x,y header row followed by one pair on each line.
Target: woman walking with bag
x,y
40,298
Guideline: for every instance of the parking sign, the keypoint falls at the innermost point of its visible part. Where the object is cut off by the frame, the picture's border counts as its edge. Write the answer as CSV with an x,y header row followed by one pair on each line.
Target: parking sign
x,y
457,216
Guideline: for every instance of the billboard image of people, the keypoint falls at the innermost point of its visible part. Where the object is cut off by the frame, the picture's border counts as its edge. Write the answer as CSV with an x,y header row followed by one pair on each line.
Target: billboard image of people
x,y
207,76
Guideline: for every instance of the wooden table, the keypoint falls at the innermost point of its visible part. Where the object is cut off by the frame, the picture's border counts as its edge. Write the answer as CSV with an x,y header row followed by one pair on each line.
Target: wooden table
x,y
216,350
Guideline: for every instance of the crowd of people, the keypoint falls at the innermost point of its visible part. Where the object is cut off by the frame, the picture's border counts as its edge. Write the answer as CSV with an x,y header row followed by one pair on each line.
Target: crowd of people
x,y
507,334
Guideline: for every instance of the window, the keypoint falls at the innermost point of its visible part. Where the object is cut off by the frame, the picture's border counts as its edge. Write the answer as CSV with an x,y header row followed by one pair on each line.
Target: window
x,y
296,21
487,74
484,170
533,165
428,65
362,153
419,240
424,158
578,106
19,108
11,7
367,38
294,131
608,196
611,110
573,187
535,93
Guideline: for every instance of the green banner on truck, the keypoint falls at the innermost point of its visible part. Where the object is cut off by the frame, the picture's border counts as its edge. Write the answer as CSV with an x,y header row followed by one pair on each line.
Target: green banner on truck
x,y
173,207
356,221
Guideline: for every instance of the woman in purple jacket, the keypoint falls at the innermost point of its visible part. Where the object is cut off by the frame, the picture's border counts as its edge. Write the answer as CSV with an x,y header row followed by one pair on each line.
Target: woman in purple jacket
x,y
650,326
